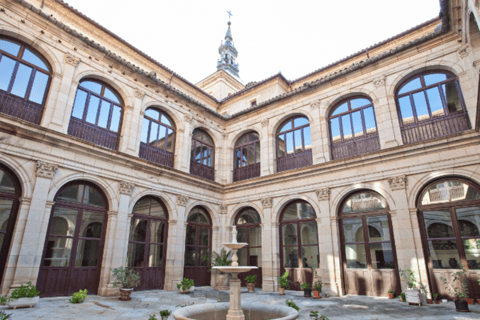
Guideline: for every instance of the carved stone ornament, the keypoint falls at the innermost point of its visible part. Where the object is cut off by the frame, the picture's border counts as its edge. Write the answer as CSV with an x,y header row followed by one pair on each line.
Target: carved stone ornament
x,y
46,170
71,59
316,104
463,51
398,182
188,118
223,209
323,194
182,200
267,202
264,123
379,82
139,94
126,188
225,136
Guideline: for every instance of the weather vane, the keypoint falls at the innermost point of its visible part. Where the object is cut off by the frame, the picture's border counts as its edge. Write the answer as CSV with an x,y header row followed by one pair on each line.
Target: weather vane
x,y
229,15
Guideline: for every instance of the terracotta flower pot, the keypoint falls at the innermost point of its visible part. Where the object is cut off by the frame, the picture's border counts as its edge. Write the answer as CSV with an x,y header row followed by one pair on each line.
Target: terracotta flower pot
x,y
125,294
281,291
437,301
326,295
307,293
251,287
470,300
316,294
391,295
429,301
461,306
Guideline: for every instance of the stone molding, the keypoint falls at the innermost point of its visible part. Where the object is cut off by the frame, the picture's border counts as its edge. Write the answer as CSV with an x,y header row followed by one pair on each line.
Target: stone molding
x,y
319,220
182,200
71,59
463,51
323,194
264,123
45,170
216,228
49,204
113,213
267,202
188,118
139,94
275,224
316,104
379,82
24,201
223,209
398,182
126,188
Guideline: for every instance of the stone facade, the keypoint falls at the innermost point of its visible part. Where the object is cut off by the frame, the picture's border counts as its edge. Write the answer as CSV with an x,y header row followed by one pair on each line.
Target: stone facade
x,y
45,157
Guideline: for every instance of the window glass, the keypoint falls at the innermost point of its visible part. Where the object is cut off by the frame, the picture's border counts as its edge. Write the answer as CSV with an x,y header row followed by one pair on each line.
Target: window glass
x,y
290,212
145,127
382,255
297,122
152,113
170,140
6,70
116,114
435,102
286,126
361,202
308,232
162,135
289,234
79,104
6,184
242,140
153,134
444,254
434,78
63,222
136,256
353,230
341,109
310,257
305,210
92,86
347,127
138,230
355,256
447,191
34,59
257,152
157,230
39,87
87,253
110,95
92,109
357,124
253,137
255,257
73,193
93,197
9,47
369,117
406,110
142,206
204,237
359,102
289,136
281,146
104,113
378,228
438,224
251,154
472,252
469,221
421,106
410,86
165,120
307,138
92,223
453,99
156,209
290,257
155,256
297,134
335,129
57,253
22,80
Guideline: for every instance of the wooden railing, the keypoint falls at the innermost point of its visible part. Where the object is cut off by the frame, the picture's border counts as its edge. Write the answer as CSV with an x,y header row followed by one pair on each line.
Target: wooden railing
x,y
436,127
247,172
294,161
92,133
20,108
202,171
355,147
156,155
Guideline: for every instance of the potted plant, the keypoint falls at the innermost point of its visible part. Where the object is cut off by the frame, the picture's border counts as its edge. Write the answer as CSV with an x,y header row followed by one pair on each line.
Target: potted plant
x,y
186,286
251,282
165,313
25,296
326,294
402,297
391,294
458,288
4,300
317,289
292,304
127,279
412,294
307,290
436,298
219,260
79,296
314,315
4,316
424,293
284,282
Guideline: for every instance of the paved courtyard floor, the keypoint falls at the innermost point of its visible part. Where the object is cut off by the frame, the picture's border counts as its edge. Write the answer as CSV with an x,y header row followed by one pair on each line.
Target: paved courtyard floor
x,y
145,303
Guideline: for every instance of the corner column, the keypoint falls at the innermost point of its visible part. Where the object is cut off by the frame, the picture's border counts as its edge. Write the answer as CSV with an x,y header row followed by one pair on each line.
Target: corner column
x,y
265,150
270,262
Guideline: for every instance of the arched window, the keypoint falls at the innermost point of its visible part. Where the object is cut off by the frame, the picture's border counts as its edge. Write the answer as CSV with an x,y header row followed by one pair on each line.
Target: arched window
x,y
247,157
198,246
250,231
147,246
368,249
24,80
430,105
73,249
97,114
353,129
299,242
449,214
202,162
158,138
294,144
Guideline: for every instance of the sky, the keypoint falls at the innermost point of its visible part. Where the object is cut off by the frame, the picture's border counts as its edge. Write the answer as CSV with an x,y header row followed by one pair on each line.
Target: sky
x,y
293,37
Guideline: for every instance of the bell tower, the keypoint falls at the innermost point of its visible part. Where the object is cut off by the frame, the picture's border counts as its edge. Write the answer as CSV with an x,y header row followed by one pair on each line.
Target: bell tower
x,y
228,54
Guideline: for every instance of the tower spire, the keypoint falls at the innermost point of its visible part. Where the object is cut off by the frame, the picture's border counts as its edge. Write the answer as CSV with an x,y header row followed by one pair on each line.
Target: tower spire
x,y
228,53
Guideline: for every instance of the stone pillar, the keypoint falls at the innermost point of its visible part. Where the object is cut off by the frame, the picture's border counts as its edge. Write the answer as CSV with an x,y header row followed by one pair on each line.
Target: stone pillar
x,y
176,246
31,239
235,311
265,153
63,101
184,150
317,127
116,241
270,262
132,126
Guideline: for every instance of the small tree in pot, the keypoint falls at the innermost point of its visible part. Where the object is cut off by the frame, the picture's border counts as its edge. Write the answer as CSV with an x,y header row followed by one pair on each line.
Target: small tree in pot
x,y
186,286
307,290
127,279
391,294
317,289
251,282
284,283
458,288
412,294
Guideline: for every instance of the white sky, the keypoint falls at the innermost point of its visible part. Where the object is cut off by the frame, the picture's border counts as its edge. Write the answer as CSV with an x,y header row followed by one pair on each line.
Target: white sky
x,y
294,37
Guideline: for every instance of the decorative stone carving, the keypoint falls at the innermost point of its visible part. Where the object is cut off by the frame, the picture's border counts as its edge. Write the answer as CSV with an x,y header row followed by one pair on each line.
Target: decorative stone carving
x,y
46,170
323,194
223,209
398,182
188,118
379,82
463,51
126,188
225,136
182,200
71,59
267,202
316,104
139,94
264,123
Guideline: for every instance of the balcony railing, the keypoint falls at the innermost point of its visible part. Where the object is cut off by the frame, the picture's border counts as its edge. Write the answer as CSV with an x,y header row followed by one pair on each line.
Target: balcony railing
x,y
435,128
295,161
156,155
202,171
355,147
92,133
20,108
247,172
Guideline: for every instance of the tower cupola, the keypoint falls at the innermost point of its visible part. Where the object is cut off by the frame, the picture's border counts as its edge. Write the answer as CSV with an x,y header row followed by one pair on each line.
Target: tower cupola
x,y
228,54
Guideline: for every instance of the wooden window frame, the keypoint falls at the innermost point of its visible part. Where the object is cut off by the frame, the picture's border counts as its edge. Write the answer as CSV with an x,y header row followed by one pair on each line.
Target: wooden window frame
x,y
248,226
199,169
247,171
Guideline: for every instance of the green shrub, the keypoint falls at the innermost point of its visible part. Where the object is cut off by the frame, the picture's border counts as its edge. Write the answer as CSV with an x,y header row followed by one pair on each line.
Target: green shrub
x,y
25,291
4,316
305,286
165,313
185,284
251,279
4,299
284,282
292,304
79,296
126,278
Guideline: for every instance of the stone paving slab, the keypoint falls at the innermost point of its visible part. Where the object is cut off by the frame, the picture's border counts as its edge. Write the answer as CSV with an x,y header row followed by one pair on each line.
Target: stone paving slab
x,y
151,302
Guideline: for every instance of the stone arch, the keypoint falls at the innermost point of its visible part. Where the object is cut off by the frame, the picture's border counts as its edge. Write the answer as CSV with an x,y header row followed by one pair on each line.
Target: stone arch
x,y
348,191
287,200
236,209
38,44
210,209
213,134
179,123
234,139
25,179
358,92
106,188
167,201
285,117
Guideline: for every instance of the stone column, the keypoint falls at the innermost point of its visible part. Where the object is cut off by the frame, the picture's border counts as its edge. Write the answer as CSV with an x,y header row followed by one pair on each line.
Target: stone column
x,y
184,150
132,126
116,241
31,239
265,152
176,246
270,262
63,101
319,148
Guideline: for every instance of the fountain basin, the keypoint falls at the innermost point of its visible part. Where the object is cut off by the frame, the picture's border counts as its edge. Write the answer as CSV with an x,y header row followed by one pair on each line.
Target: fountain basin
x,y
232,269
252,311
235,245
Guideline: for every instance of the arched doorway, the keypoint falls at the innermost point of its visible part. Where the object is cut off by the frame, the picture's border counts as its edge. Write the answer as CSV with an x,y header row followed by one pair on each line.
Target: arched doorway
x,y
250,231
147,245
299,242
368,250
74,244
449,217
10,192
198,246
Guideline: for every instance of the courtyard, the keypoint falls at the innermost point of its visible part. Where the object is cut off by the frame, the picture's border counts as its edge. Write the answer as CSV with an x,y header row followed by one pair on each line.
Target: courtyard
x,y
150,302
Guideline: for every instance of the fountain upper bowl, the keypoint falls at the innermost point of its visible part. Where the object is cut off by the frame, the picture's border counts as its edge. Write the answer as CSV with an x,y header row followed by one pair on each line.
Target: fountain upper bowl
x,y
235,245
231,269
